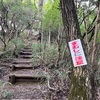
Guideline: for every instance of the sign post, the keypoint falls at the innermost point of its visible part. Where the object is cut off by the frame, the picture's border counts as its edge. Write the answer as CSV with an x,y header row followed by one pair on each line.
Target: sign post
x,y
77,53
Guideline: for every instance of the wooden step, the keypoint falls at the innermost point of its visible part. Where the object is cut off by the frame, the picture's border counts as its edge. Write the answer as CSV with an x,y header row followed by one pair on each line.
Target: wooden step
x,y
26,50
25,53
25,65
22,62
16,78
14,67
26,56
20,66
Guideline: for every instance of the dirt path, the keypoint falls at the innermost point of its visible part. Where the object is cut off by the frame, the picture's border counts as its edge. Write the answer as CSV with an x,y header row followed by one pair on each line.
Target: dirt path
x,y
23,90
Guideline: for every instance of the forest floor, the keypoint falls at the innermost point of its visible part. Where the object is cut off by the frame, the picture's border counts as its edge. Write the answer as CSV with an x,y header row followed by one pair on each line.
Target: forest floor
x,y
55,88
33,91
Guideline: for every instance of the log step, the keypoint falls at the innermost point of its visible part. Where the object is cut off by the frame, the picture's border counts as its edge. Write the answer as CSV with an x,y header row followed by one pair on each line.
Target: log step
x,y
20,66
14,67
22,62
14,78
26,50
25,65
25,53
27,47
26,56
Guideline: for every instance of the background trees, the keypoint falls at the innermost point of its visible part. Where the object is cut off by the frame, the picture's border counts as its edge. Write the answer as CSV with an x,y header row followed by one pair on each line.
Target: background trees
x,y
15,17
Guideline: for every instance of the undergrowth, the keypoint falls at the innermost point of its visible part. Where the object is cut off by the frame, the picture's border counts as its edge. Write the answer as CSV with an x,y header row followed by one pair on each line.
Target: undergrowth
x,y
14,46
18,43
44,54
4,90
47,55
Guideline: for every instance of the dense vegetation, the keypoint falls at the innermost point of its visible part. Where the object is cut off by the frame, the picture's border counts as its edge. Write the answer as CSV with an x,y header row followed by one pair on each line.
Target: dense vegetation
x,y
58,21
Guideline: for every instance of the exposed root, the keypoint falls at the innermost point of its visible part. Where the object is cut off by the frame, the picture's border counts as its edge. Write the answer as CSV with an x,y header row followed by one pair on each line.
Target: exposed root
x,y
51,88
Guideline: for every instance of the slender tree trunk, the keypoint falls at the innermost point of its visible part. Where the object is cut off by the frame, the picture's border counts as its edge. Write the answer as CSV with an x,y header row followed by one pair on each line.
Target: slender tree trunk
x,y
49,36
40,4
93,58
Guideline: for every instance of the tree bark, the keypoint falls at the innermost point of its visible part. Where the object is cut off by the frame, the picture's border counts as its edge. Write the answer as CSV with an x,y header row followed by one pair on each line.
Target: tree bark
x,y
72,31
70,19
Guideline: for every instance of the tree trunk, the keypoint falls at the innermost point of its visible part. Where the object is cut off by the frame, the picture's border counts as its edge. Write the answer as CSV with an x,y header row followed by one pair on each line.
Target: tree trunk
x,y
94,52
49,36
40,4
72,31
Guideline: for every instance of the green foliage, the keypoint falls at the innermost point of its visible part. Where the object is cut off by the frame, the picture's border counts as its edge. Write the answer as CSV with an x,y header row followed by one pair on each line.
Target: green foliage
x,y
23,12
86,16
19,17
36,50
14,46
4,90
45,53
51,15
18,44
50,54
20,12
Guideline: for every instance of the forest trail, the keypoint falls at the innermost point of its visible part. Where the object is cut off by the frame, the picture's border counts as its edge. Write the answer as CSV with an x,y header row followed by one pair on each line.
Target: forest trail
x,y
30,81
27,80
23,69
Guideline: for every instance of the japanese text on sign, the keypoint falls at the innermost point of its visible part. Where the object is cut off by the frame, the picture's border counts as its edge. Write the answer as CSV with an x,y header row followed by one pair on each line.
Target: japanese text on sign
x,y
77,53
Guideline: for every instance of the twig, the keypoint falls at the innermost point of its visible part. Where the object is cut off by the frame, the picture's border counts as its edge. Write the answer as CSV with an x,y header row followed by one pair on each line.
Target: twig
x,y
51,88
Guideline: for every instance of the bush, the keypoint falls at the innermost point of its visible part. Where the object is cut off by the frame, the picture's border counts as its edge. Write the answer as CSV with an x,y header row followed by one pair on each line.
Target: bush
x,y
4,90
18,45
44,53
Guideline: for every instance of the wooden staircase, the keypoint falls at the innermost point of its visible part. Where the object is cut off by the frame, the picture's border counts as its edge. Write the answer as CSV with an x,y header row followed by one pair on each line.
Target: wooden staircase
x,y
22,68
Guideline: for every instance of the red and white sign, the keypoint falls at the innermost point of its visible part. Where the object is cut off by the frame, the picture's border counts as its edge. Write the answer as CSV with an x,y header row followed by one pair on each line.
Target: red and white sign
x,y
77,53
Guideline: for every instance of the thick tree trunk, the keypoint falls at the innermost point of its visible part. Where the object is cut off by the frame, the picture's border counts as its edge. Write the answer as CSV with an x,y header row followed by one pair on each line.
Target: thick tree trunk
x,y
70,20
72,31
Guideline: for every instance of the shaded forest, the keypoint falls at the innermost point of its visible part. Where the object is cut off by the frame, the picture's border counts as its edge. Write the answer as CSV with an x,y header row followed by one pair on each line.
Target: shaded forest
x,y
35,57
